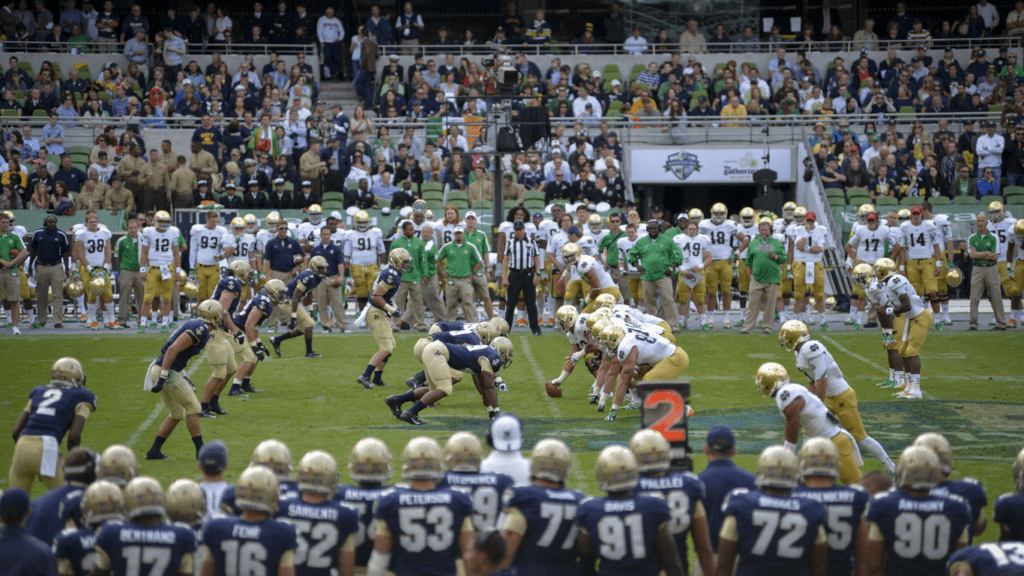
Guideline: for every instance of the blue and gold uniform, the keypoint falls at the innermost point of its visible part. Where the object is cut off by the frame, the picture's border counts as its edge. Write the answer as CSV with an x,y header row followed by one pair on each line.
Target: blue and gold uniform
x,y
475,359
376,317
52,408
252,547
462,337
1009,511
455,325
546,519
623,532
484,490
260,302
45,522
308,281
973,494
161,550
920,533
993,559
286,490
220,353
845,507
75,551
323,530
229,284
436,518
684,493
177,393
362,501
795,525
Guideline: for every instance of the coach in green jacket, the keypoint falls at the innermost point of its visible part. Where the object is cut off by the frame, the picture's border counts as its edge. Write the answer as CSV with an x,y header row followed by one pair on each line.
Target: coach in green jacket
x,y
456,262
657,254
765,258
410,293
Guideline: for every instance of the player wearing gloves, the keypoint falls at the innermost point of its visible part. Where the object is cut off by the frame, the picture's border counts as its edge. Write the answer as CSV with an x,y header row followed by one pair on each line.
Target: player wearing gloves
x,y
248,321
227,338
874,293
631,348
301,322
868,243
909,319
160,263
592,273
380,309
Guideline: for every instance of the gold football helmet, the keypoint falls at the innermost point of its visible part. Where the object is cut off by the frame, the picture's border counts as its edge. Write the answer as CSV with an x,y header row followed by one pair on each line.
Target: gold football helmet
x,y
419,207
275,455
183,277
830,302
75,287
651,450
696,214
863,275
503,346
1018,228
787,210
463,453
428,215
605,301
190,288
501,325
595,330
799,213
747,216
98,285
792,333
918,468
361,221
567,316
277,290
487,332
11,215
571,253
611,336
422,459
143,496
941,446
777,467
318,265
162,221
315,213
252,223
819,457
118,464
400,260
370,461
237,226
102,501
550,460
67,372
420,346
185,502
617,469
719,213
1018,470
434,329
318,473
995,211
256,489
211,311
596,315
903,215
884,267
272,220
595,222
954,277
770,377
863,211
242,270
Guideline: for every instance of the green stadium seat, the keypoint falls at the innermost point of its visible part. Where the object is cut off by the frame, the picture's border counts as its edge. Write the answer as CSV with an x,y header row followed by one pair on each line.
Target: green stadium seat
x,y
534,204
609,68
10,112
431,187
1013,191
910,201
333,195
1017,200
986,200
886,201
856,199
965,200
352,186
939,201
333,205
80,150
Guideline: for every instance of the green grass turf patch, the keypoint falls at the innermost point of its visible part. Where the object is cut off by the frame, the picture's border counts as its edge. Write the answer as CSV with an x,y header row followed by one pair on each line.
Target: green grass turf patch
x,y
970,380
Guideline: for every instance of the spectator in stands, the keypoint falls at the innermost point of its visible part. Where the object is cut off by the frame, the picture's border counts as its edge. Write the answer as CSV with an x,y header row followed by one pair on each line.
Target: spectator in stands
x,y
990,14
856,175
1015,19
748,41
903,21
194,30
378,28
635,44
70,175
865,38
719,42
280,198
733,108
987,185
975,24
882,186
963,185
558,189
990,150
692,40
933,183
825,19
538,33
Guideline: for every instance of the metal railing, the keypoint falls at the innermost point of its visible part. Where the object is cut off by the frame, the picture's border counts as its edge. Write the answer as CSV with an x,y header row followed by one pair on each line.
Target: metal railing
x,y
18,48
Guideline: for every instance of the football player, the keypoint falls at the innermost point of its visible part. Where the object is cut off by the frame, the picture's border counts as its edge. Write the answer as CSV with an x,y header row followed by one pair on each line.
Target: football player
x,y
629,533
240,246
650,322
227,338
635,296
422,529
867,244
771,530
275,456
633,348
748,227
205,253
482,334
1002,559
79,472
53,410
969,489
825,379
539,519
11,290
308,233
809,246
591,274
844,505
1017,240
253,542
326,529
117,464
93,252
1001,225
256,311
802,409
419,218
574,325
1008,511
381,308
145,544
301,322
721,231
75,548
909,319
165,377
920,255
874,294
369,465
157,254
683,492
910,531
463,453
186,506
944,238
788,210
696,249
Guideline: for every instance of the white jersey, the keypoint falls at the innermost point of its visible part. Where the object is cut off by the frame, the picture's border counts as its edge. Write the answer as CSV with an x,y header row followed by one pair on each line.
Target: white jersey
x,y
364,248
693,249
214,492
545,230
243,245
160,245
510,463
876,294
721,236
896,285
637,327
579,335
817,236
814,418
340,237
652,349
587,263
791,231
417,227
444,233
205,246
870,244
814,360
943,231
309,233
918,240
749,232
1002,231
94,246
587,248
1017,241
264,236
625,245
780,225
555,244
634,315
598,236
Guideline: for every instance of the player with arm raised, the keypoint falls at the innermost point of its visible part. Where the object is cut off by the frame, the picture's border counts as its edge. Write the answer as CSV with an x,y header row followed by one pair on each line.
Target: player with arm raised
x,y
463,453
380,309
369,465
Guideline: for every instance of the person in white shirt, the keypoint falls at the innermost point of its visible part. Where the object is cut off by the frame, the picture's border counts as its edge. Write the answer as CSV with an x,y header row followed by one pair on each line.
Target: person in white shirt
x,y
752,80
990,150
212,462
724,235
93,252
989,13
636,44
905,322
808,271
506,437
205,253
1015,19
160,265
330,33
583,97
696,249
920,255
815,98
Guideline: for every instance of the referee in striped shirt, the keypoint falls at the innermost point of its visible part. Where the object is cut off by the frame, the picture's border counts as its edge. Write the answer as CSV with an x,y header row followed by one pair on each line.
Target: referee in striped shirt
x,y
520,273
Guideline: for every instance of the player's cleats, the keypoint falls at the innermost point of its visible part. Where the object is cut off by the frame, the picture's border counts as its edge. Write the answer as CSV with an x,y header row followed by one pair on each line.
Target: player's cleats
x,y
888,384
740,323
163,329
277,346
410,418
947,321
824,326
600,407
151,455
1011,323
115,326
173,324
238,393
858,327
83,318
142,329
610,417
312,355
849,321
906,394
412,382
15,330
94,325
395,405
218,410
207,414
592,398
634,405
938,326
249,389
364,381
707,327
152,324
727,325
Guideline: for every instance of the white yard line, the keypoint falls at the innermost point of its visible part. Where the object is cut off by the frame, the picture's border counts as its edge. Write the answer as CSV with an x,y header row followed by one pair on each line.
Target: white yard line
x,y
877,366
134,438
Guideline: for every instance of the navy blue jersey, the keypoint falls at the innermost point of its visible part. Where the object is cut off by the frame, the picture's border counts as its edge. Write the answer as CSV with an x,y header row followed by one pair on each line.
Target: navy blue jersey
x,y
229,284
775,534
624,532
321,531
919,533
77,547
391,279
720,478
137,549
240,544
260,302
45,522
425,526
684,493
1009,510
971,491
307,280
286,490
198,333
362,500
22,553
71,509
467,358
462,337
546,519
484,489
844,506
992,559
53,408
450,325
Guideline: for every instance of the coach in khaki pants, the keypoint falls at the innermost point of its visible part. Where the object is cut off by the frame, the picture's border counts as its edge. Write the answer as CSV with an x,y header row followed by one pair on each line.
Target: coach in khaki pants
x,y
283,258
765,258
431,288
984,249
50,249
654,256
457,261
129,280
331,292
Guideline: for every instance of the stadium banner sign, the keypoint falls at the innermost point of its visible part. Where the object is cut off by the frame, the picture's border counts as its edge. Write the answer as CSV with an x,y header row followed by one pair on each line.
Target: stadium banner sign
x,y
962,217
707,165
663,409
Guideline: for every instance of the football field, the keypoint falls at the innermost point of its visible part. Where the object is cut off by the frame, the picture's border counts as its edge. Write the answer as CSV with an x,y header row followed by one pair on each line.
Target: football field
x,y
971,381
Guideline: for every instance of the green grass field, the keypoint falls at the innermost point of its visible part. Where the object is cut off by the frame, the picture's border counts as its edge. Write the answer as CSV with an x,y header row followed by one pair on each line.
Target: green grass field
x,y
971,381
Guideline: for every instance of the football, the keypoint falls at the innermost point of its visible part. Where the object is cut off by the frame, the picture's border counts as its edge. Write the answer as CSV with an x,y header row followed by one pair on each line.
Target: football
x,y
553,390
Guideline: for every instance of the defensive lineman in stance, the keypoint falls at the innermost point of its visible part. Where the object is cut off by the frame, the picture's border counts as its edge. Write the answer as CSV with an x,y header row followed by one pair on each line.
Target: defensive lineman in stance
x,y
634,348
381,308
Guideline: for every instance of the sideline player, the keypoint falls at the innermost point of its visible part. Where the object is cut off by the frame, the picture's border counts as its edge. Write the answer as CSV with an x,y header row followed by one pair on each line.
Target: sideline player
x,y
205,252
369,465
93,252
944,238
867,244
308,233
697,257
301,322
909,319
227,339
921,255
463,453
159,252
240,245
809,245
1002,225
380,309
721,231
1017,240
748,227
